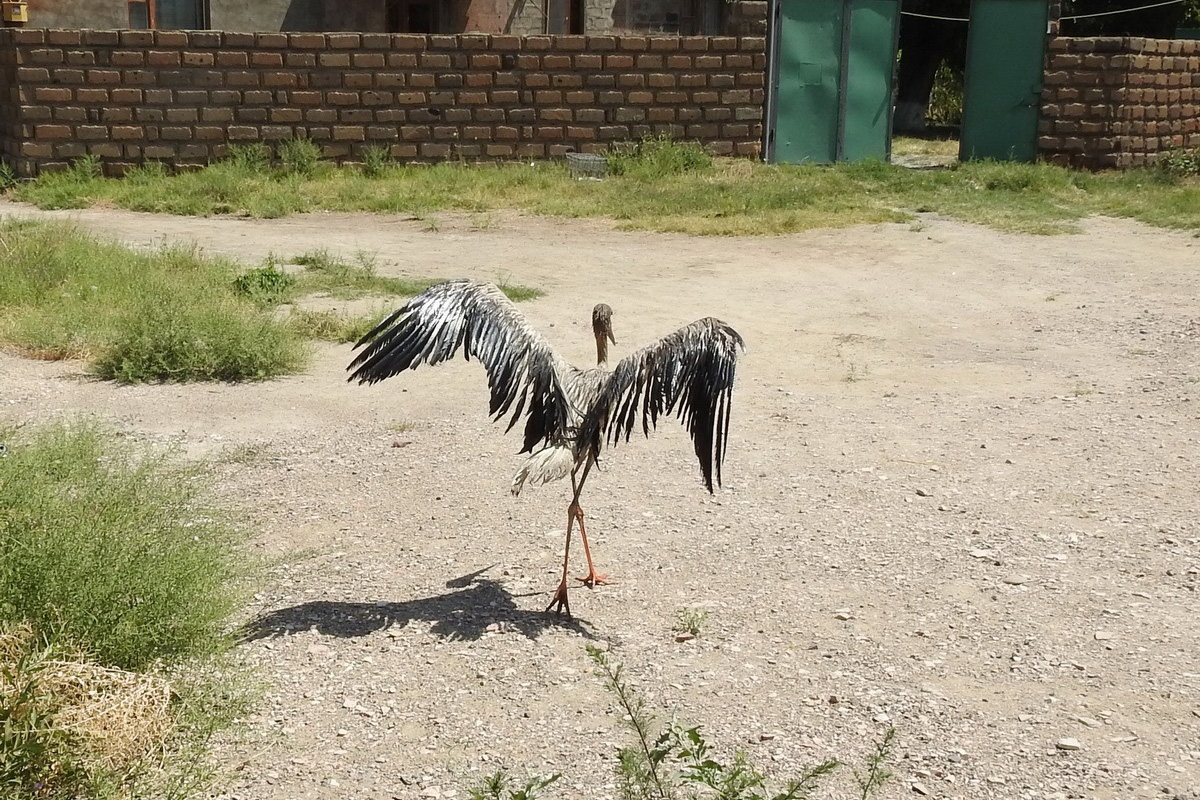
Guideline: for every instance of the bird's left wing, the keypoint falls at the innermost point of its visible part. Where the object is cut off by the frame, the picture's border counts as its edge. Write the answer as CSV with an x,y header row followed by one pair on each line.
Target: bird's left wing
x,y
477,317
688,373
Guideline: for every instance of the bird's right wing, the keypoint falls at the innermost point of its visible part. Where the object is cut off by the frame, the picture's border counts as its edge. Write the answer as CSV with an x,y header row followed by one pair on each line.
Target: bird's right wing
x,y
477,317
688,373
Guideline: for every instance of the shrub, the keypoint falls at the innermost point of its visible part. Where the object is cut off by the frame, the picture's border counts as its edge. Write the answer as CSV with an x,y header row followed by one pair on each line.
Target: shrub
x,y
300,156
8,178
222,340
1179,163
112,550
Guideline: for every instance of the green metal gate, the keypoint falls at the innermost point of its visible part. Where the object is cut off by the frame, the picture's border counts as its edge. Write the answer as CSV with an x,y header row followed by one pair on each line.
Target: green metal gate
x,y
1006,47
832,64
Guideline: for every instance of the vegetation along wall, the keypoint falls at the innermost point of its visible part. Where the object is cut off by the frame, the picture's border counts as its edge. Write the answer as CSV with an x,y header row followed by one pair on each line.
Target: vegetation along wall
x,y
184,97
1119,101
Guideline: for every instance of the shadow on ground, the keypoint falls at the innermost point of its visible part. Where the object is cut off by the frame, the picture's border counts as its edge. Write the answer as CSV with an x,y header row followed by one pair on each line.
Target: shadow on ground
x,y
462,614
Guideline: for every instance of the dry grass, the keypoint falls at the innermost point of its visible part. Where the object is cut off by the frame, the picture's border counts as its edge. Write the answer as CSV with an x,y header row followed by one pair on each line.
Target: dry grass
x,y
118,718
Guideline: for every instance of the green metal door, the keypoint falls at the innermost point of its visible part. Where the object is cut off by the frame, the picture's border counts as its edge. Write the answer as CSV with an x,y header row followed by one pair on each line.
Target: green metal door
x,y
807,69
867,122
1005,56
831,68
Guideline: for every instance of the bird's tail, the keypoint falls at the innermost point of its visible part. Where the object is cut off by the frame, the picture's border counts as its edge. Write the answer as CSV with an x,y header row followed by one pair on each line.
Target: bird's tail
x,y
548,464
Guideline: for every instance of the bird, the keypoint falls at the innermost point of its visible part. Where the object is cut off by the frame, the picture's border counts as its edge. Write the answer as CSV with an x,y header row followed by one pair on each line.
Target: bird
x,y
571,415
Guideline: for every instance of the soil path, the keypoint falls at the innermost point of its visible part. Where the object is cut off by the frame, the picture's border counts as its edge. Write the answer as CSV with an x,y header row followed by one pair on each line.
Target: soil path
x,y
960,500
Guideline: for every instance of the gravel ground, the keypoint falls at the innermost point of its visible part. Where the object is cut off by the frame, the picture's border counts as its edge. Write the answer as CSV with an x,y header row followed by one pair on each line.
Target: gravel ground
x,y
960,501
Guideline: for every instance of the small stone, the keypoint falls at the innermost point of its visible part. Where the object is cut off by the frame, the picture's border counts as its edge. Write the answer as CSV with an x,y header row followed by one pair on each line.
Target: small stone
x,y
843,616
1103,636
684,637
1016,580
1068,744
766,737
922,493
1091,723
919,788
982,554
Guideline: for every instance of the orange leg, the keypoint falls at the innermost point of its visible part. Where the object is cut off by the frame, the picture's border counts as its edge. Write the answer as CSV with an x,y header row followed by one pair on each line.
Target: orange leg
x,y
560,602
593,578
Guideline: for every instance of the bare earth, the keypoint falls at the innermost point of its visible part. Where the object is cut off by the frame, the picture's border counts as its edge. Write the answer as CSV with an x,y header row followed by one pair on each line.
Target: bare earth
x,y
960,500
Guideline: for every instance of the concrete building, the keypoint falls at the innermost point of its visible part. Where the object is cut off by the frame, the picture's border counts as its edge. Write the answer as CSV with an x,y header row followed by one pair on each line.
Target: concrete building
x,y
524,17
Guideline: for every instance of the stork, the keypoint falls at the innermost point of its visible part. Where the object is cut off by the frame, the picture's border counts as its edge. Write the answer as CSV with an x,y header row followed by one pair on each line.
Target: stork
x,y
570,414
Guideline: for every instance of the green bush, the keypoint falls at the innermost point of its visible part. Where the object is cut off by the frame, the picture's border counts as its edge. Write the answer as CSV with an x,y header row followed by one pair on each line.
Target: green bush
x,y
112,549
221,340
1179,163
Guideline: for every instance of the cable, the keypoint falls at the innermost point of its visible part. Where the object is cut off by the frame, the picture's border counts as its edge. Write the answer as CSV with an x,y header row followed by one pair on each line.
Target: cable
x,y
955,19
1061,19
1122,10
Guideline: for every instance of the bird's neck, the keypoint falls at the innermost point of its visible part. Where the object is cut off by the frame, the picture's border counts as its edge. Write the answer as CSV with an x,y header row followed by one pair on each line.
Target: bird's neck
x,y
601,350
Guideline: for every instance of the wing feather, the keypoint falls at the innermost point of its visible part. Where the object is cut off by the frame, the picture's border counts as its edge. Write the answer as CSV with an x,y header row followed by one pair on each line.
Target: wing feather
x,y
688,373
522,368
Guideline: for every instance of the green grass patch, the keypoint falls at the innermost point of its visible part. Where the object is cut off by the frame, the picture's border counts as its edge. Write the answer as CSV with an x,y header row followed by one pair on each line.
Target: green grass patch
x,y
332,326
174,314
167,314
653,185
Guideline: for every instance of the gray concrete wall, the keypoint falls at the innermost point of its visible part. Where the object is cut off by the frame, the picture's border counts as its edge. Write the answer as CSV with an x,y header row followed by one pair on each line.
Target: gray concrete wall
x,y
267,15
78,14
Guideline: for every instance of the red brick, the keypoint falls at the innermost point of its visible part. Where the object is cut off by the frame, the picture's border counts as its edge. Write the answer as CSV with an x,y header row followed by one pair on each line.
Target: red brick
x,y
306,41
52,131
228,58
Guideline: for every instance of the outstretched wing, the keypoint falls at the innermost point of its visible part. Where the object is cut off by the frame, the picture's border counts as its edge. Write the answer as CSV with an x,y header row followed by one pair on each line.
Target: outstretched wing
x,y
477,317
688,373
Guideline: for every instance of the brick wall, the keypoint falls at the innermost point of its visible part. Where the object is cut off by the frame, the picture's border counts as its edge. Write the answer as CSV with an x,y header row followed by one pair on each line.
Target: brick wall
x,y
1119,101
184,97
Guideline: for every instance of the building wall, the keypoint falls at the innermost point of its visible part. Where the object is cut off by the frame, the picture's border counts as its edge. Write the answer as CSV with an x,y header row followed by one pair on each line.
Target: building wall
x,y
79,14
129,97
1119,101
520,17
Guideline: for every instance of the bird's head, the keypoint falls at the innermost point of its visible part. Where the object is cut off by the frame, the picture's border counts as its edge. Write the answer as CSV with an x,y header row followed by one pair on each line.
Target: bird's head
x,y
602,329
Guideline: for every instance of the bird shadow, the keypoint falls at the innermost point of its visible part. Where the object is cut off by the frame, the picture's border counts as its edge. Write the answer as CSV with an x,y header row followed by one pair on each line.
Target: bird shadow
x,y
464,614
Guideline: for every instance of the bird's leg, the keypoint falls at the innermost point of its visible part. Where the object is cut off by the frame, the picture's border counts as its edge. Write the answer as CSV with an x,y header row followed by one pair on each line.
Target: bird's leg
x,y
592,578
560,601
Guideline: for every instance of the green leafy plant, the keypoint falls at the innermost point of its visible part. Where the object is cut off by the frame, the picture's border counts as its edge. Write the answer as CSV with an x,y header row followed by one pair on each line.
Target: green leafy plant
x,y
691,620
8,178
376,160
877,773
498,786
666,760
266,285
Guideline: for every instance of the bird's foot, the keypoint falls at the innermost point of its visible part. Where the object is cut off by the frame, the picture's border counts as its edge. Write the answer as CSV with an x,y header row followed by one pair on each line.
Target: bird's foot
x,y
560,603
594,578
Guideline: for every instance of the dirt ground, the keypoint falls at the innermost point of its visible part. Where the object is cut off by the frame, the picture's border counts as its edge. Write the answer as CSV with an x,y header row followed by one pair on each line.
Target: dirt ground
x,y
960,500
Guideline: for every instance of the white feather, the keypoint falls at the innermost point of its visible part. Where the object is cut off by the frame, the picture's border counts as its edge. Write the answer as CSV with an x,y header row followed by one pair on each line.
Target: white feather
x,y
547,464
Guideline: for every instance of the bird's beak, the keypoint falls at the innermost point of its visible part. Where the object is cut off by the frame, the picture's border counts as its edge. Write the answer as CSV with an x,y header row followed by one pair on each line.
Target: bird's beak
x,y
609,331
